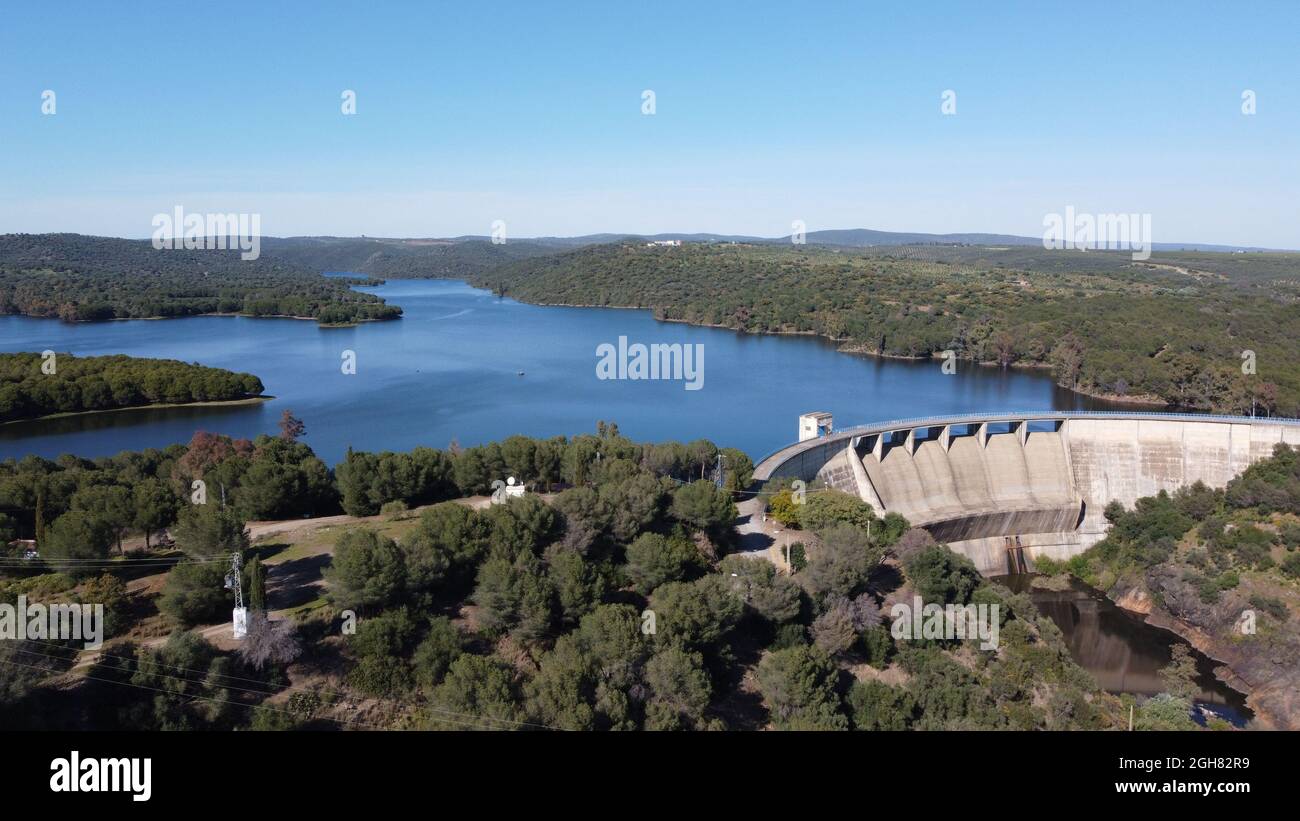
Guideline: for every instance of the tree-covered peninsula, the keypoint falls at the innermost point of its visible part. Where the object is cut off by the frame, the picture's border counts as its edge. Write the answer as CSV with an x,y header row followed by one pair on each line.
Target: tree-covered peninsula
x,y
42,384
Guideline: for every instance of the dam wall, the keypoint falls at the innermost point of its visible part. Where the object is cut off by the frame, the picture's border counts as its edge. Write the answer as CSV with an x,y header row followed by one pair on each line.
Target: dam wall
x,y
1037,482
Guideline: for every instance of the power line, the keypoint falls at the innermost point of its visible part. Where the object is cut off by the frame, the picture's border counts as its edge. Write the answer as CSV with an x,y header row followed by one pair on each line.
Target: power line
x,y
287,687
184,680
188,696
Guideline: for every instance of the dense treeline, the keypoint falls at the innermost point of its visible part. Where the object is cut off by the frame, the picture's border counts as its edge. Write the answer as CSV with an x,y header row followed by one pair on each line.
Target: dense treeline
x,y
1104,324
367,481
280,477
33,384
77,278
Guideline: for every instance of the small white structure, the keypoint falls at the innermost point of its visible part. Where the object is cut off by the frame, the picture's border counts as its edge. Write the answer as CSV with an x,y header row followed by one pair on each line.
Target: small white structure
x,y
812,425
671,243
503,492
241,622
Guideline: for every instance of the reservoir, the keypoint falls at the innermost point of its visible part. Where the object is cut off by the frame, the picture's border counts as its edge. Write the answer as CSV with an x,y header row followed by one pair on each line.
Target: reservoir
x,y
467,366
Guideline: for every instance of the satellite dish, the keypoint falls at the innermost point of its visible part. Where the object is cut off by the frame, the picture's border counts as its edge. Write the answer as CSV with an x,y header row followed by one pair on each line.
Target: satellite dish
x,y
510,480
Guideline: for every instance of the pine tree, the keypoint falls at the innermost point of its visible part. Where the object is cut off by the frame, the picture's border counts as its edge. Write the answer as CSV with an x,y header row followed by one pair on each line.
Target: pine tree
x,y
40,519
257,585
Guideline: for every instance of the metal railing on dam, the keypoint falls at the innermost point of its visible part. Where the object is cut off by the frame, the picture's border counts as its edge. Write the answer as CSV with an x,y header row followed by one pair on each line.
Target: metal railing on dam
x,y
768,465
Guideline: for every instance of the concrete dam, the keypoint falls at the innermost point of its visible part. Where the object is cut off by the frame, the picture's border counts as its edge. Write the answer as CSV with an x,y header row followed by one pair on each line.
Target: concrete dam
x,y
1023,485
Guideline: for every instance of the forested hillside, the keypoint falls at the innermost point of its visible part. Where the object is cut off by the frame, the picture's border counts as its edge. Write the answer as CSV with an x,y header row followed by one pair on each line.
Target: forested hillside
x,y
1171,330
74,277
97,383
401,259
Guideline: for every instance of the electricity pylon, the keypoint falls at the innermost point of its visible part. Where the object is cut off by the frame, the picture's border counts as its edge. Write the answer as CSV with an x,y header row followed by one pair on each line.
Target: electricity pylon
x,y
235,582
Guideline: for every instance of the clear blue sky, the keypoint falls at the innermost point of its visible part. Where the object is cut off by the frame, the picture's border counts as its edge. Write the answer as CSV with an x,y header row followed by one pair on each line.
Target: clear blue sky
x,y
766,113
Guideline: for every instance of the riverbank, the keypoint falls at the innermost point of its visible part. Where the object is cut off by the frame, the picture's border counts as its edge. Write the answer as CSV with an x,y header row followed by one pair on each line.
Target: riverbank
x,y
1258,669
1126,651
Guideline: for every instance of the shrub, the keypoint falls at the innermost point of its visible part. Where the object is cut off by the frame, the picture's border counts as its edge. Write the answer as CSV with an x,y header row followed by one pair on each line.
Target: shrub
x,y
798,556
1274,607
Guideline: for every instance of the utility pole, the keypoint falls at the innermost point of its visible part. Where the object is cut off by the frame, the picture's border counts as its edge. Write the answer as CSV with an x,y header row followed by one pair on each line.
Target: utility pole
x,y
235,582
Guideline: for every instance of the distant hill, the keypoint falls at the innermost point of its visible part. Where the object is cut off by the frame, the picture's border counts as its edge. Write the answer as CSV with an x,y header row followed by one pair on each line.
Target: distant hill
x,y
455,258
75,278
845,238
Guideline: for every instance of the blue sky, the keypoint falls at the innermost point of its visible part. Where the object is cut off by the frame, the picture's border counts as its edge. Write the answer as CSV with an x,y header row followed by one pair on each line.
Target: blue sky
x,y
765,113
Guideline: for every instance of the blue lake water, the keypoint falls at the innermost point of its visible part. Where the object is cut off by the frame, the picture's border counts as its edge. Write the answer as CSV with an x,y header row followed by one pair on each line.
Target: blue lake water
x,y
449,369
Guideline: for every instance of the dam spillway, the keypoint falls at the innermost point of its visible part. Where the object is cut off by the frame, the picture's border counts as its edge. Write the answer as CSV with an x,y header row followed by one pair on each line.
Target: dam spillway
x,y
1042,479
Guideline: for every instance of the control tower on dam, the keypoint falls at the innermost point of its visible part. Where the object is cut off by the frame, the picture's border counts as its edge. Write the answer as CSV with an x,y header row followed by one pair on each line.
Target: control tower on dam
x,y
1033,484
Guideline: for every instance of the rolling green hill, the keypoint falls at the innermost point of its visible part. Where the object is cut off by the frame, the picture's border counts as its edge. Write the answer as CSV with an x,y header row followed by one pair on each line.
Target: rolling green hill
x,y
74,277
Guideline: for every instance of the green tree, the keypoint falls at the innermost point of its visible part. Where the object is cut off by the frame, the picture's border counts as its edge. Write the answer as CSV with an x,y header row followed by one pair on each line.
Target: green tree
x,y
828,507
799,687
521,525
942,576
842,564
679,689
561,693
196,594
111,505
209,530
516,597
611,635
704,507
367,571
697,614
1179,676
653,559
77,537
771,595
578,584
441,646
1164,712
478,693
445,547
875,705
154,505
256,584
781,506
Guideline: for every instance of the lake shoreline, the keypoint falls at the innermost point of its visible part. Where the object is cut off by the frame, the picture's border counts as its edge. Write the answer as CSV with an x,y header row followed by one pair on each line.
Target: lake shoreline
x,y
843,345
222,403
351,324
